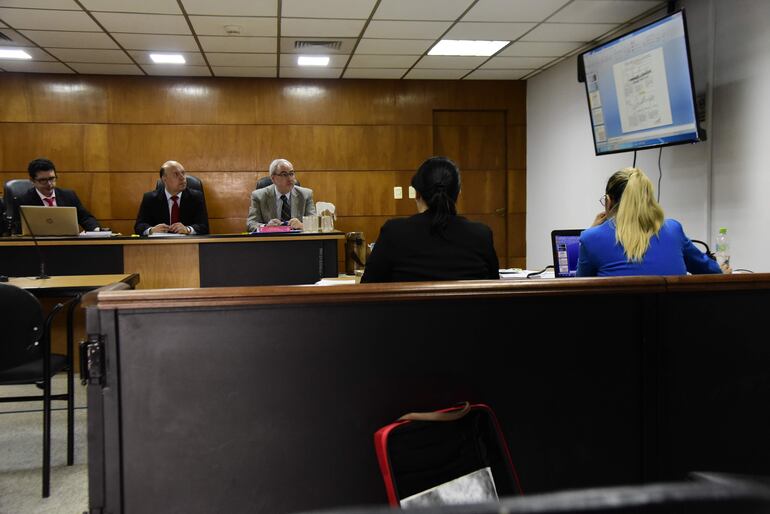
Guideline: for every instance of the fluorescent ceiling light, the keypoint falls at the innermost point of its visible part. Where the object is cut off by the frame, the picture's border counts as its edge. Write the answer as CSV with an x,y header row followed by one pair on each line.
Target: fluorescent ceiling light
x,y
8,53
466,47
308,60
167,58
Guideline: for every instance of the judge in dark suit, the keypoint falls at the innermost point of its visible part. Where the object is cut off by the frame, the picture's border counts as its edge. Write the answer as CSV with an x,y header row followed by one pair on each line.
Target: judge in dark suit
x,y
174,208
435,244
42,173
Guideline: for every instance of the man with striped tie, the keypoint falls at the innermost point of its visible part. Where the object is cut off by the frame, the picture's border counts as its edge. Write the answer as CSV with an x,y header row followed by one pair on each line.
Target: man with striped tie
x,y
42,174
283,202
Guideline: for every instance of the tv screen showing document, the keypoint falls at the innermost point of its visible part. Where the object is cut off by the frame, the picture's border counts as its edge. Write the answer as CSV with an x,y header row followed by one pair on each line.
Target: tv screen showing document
x,y
640,89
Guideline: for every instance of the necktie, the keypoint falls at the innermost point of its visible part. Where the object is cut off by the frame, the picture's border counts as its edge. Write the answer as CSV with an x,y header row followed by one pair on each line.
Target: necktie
x,y
285,209
49,201
175,210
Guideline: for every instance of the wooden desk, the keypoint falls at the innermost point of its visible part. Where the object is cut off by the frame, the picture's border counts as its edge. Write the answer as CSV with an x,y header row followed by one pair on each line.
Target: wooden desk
x,y
196,261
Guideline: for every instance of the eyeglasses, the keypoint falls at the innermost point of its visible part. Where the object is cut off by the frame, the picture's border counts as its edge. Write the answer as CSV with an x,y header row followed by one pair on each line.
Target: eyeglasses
x,y
45,180
603,200
285,174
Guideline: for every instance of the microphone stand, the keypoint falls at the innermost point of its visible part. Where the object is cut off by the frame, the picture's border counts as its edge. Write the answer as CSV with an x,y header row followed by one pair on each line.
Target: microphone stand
x,y
43,274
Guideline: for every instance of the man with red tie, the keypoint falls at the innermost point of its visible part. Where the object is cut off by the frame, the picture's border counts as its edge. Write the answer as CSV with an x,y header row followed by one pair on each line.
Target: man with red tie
x,y
42,173
173,208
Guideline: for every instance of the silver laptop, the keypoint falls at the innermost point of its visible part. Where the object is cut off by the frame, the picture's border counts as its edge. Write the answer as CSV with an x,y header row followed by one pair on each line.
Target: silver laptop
x,y
49,221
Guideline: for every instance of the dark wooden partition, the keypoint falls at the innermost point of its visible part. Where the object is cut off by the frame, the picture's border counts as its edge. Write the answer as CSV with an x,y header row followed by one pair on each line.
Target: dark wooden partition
x,y
266,399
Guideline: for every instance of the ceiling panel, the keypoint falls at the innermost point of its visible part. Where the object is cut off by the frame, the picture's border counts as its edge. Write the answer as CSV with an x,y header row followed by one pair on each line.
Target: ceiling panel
x,y
34,67
91,56
143,23
495,31
394,46
42,4
568,32
243,71
136,6
106,69
157,42
417,73
48,38
37,54
406,29
237,44
191,59
374,73
513,10
17,39
48,20
498,74
335,61
604,11
449,62
232,7
171,70
249,60
296,27
525,49
383,61
527,63
215,25
435,10
311,73
356,9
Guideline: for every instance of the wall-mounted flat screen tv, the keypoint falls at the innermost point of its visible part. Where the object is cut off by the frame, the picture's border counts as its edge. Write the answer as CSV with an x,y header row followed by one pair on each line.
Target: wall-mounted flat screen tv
x,y
640,89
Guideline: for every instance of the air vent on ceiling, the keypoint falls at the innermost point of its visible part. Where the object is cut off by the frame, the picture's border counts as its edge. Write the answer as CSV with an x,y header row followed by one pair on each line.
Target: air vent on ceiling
x,y
3,37
318,45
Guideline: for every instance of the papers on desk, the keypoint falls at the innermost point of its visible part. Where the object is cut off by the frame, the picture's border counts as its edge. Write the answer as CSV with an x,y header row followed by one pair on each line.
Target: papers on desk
x,y
475,487
167,234
521,274
93,234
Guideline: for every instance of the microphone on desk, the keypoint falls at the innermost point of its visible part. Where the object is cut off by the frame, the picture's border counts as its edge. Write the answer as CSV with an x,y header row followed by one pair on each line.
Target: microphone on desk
x,y
34,240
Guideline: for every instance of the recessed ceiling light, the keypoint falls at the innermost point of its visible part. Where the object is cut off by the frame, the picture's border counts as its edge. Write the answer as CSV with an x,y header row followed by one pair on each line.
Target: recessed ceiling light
x,y
313,60
8,53
167,58
467,47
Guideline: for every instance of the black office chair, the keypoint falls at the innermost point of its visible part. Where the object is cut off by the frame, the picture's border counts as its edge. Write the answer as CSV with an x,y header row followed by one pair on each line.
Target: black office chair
x,y
26,358
192,182
266,181
14,188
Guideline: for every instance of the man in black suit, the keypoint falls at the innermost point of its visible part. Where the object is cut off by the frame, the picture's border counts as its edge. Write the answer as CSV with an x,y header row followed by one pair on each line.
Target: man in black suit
x,y
42,173
174,208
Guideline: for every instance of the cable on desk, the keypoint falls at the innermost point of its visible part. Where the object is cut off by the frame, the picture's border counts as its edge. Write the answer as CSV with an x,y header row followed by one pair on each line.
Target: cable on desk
x,y
536,273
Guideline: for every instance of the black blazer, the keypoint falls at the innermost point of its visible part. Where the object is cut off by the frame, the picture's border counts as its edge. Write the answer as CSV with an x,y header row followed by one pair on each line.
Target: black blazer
x,y
407,251
64,198
154,210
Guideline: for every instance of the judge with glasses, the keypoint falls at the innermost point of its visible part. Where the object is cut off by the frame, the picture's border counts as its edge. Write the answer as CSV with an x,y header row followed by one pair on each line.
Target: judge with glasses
x,y
281,203
42,174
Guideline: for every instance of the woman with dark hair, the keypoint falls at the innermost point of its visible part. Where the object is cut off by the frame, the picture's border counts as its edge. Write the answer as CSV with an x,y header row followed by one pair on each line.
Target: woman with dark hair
x,y
631,236
435,244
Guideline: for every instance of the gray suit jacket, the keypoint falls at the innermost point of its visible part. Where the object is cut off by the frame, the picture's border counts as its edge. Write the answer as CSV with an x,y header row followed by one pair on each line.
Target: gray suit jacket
x,y
263,209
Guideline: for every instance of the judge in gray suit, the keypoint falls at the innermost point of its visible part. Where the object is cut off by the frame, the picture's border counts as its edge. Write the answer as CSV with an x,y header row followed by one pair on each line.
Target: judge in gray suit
x,y
281,202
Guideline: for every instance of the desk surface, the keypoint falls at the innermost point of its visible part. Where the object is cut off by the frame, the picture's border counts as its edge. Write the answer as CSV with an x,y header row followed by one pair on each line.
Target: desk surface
x,y
74,283
208,239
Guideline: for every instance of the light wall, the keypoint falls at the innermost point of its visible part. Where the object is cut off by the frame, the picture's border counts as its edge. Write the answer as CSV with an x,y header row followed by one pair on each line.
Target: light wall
x,y
720,182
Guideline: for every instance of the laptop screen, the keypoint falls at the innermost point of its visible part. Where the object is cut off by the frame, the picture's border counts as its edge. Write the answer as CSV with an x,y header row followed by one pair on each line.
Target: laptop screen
x,y
566,246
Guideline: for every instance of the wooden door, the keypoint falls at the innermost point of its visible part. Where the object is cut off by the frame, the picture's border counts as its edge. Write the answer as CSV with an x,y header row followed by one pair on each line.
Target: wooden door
x,y
476,141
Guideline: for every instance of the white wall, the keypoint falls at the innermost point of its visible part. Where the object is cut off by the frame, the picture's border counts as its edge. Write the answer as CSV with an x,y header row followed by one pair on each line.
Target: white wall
x,y
721,182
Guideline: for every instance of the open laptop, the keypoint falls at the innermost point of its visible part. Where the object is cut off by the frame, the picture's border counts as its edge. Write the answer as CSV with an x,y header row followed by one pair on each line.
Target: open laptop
x,y
565,245
49,221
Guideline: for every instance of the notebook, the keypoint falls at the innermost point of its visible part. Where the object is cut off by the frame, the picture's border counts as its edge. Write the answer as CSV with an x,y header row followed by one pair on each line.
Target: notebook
x,y
565,245
49,221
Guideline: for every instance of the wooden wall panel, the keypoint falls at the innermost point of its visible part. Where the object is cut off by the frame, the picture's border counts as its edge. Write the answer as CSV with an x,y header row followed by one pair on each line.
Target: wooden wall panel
x,y
517,235
351,141
497,224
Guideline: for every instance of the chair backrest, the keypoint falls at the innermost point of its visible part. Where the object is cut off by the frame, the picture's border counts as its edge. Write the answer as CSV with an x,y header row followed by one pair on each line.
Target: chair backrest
x,y
14,188
193,182
22,329
266,181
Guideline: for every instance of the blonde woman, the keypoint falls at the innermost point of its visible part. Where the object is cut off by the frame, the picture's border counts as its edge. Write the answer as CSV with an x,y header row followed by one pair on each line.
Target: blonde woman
x,y
631,237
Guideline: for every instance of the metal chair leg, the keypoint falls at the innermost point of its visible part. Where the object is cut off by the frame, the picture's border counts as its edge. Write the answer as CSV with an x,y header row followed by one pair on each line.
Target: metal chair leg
x,y
71,383
47,421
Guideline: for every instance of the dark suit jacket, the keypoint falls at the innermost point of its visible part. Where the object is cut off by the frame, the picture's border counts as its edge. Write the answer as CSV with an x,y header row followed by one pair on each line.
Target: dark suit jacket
x,y
407,251
154,210
64,198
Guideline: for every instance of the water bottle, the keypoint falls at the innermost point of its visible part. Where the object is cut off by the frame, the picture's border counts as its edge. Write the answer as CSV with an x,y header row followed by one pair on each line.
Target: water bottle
x,y
723,248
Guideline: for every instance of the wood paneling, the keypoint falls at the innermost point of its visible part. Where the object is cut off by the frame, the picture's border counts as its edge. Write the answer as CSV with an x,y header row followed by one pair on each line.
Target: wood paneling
x,y
351,141
176,266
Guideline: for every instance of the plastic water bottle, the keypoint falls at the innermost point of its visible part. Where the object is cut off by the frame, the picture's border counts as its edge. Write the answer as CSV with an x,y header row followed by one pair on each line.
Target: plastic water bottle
x,y
723,247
